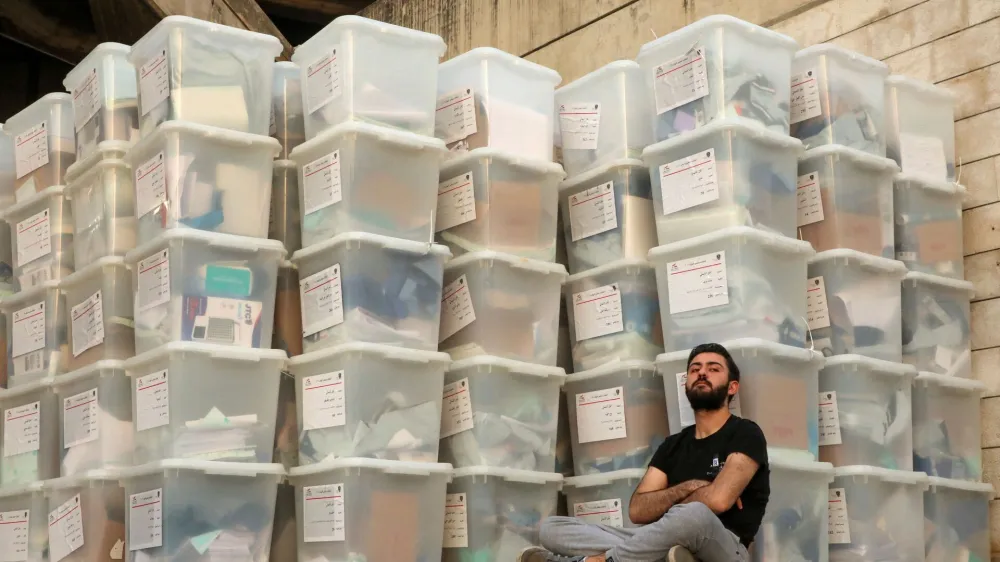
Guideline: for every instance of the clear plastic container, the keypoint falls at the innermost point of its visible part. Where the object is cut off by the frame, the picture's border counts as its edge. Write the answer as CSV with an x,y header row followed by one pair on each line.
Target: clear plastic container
x,y
853,304
41,238
487,97
286,216
844,199
603,117
200,401
343,508
191,70
876,513
957,520
779,390
287,334
44,145
87,517
757,288
920,124
102,197
936,324
7,168
729,173
500,413
718,67
359,287
205,178
796,518
865,412
498,304
627,435
181,509
838,98
31,433
37,339
25,509
928,219
287,118
607,215
946,428
192,285
499,511
101,323
614,314
603,498
105,103
95,418
369,400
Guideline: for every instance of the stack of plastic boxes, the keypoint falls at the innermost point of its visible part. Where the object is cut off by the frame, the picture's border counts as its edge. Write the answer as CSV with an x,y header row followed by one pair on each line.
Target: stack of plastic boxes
x,y
7,283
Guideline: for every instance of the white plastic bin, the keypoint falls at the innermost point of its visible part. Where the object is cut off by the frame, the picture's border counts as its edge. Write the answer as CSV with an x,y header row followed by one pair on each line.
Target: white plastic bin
x,y
796,518
102,197
99,302
865,414
614,314
756,288
24,511
7,168
603,498
182,508
285,224
956,520
287,118
937,324
928,219
494,513
487,97
501,413
920,120
86,519
729,173
838,98
44,145
191,70
357,69
31,434
37,339
370,288
199,401
853,304
498,304
718,67
627,434
603,117
376,509
844,200
105,103
946,428
41,238
358,177
368,400
192,285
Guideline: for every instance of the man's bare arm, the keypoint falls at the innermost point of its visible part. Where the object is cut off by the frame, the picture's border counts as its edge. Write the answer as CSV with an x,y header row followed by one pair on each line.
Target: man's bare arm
x,y
720,495
652,498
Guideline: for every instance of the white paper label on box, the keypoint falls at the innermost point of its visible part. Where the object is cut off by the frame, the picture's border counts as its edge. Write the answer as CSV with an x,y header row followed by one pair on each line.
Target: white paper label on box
x,y
152,401
321,179
455,116
456,202
686,413
689,182
600,512
839,529
809,200
14,527
597,312
145,520
580,125
88,324
456,526
323,401
923,156
154,81
322,300
29,329
80,419
150,185
21,429
323,81
817,312
456,308
34,237
592,211
697,283
456,408
600,415
805,97
86,99
829,419
680,81
323,513
31,149
154,281
65,529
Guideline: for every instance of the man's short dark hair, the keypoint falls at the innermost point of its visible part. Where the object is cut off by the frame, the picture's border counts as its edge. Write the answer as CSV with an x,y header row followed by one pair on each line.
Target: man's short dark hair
x,y
734,371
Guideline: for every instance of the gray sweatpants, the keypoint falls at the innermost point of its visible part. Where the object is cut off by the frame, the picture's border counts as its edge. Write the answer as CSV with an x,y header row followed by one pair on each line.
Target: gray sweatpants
x,y
691,525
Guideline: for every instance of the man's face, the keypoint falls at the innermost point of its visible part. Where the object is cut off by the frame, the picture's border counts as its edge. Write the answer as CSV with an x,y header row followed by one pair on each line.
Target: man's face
x,y
708,386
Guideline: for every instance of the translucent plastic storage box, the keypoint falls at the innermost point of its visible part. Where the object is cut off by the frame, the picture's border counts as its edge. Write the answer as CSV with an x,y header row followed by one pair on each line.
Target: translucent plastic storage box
x,y
490,200
928,219
607,215
936,324
192,70
287,333
796,518
7,168
730,173
41,238
101,323
755,287
102,197
865,414
956,519
844,200
86,515
30,434
368,400
200,286
358,177
357,69
946,429
718,67
25,511
497,304
37,339
105,104
920,122
198,401
286,216
838,97
44,144
287,117
487,97
603,498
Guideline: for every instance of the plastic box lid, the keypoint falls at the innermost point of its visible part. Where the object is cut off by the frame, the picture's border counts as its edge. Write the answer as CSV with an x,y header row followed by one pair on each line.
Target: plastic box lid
x,y
507,366
156,36
961,485
102,50
90,269
386,242
79,168
371,26
600,75
21,390
513,160
214,239
591,175
19,207
919,86
917,277
739,125
534,266
867,261
874,366
785,461
509,474
381,465
604,478
20,120
611,369
774,241
215,468
383,351
921,182
686,34
957,384
852,58
857,157
103,475
89,371
762,347
402,139
217,135
287,66
248,354
18,299
884,474
608,268
14,491
491,55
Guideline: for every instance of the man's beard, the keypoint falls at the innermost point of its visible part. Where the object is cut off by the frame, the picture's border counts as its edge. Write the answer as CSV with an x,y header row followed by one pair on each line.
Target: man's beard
x,y
703,399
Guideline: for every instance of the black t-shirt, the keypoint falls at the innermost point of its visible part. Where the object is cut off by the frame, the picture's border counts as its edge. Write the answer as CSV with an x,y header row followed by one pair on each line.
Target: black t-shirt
x,y
683,457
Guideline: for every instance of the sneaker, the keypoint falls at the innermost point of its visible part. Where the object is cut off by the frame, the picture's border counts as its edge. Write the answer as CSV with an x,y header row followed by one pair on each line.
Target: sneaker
x,y
680,554
539,554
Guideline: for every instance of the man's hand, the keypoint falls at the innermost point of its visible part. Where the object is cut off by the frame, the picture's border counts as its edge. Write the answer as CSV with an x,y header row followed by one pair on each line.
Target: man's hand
x,y
652,497
722,494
